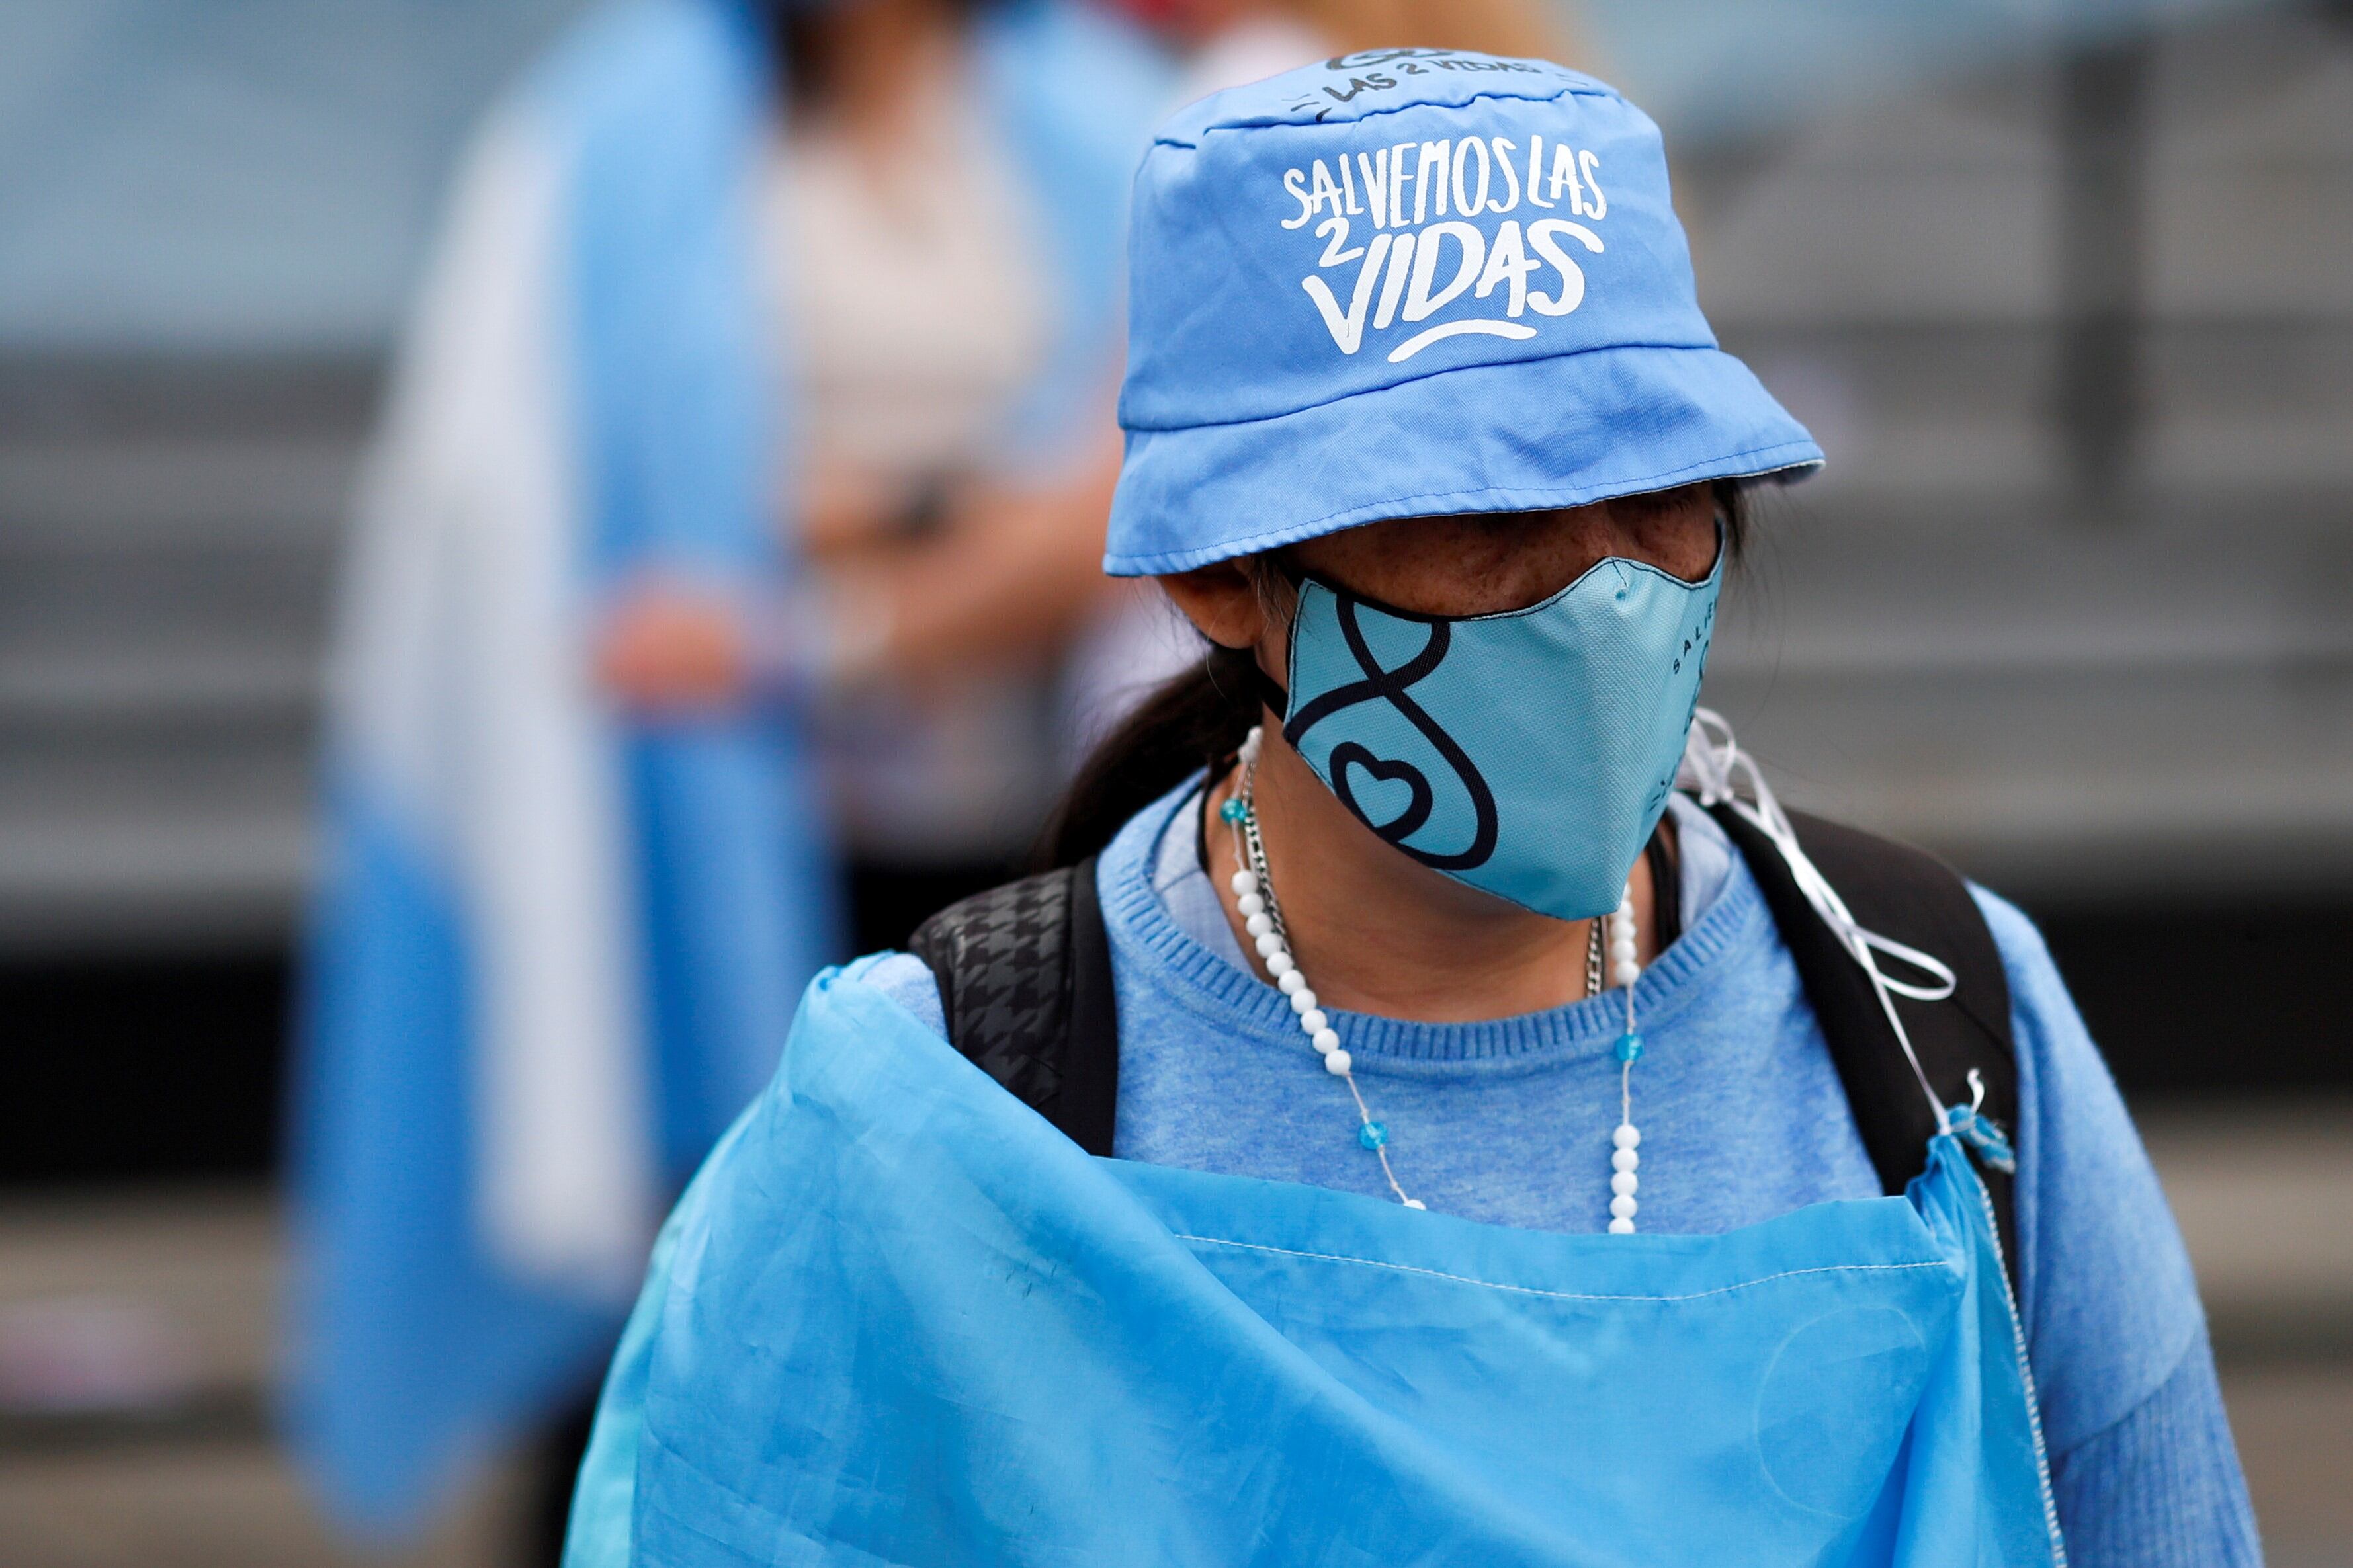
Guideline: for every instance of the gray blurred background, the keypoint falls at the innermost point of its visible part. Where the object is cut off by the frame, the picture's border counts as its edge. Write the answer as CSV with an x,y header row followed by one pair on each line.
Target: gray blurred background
x,y
2072,312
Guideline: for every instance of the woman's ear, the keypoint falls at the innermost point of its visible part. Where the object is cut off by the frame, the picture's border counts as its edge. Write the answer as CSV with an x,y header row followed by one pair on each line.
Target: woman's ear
x,y
1221,599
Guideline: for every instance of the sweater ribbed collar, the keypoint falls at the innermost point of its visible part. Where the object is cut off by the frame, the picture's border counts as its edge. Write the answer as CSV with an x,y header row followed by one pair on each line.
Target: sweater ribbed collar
x,y
1234,1001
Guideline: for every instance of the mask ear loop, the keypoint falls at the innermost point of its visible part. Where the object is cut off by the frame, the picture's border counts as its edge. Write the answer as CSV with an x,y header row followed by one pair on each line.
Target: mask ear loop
x,y
1712,760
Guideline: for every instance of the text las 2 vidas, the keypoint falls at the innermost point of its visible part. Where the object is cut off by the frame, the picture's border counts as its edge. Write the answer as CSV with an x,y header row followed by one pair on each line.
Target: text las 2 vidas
x,y
1466,179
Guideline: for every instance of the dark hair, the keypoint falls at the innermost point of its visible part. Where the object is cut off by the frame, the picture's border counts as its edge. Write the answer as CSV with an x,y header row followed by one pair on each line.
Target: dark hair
x,y
1193,719
1196,720
803,64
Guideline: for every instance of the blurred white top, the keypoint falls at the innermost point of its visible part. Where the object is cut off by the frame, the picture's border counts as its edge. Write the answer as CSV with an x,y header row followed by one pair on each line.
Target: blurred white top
x,y
917,309
914,309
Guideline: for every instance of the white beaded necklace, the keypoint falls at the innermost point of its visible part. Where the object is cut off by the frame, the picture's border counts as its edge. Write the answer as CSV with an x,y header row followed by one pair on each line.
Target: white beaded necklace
x,y
1262,918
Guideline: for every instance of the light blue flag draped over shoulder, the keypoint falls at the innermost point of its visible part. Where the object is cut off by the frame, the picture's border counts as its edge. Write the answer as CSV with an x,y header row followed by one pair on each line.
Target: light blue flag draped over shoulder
x,y
552,952
900,1318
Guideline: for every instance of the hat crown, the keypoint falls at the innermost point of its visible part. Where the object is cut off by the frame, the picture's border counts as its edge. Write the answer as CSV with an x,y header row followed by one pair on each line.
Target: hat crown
x,y
1393,214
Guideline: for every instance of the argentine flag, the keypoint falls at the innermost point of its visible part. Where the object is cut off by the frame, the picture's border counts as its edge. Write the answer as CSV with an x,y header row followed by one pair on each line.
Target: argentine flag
x,y
553,952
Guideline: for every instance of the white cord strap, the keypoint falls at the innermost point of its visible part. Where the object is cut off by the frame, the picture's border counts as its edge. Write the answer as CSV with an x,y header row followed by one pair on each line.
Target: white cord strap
x,y
1712,764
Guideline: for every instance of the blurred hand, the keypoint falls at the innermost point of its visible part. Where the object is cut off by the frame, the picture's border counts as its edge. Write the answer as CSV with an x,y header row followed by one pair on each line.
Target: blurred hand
x,y
845,509
1000,582
672,647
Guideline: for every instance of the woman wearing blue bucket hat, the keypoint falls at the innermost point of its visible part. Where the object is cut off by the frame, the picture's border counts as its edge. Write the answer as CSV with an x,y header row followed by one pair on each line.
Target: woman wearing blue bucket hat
x,y
1442,1109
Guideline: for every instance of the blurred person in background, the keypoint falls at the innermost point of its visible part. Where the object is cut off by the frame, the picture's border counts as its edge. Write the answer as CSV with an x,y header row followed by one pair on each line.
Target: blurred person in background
x,y
940,268
1394,949
724,288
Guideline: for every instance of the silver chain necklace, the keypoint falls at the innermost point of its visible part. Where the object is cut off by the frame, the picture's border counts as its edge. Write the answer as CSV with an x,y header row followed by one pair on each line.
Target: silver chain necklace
x,y
1253,887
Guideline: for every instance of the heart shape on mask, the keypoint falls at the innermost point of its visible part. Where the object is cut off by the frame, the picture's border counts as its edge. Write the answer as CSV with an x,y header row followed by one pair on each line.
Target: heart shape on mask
x,y
1385,778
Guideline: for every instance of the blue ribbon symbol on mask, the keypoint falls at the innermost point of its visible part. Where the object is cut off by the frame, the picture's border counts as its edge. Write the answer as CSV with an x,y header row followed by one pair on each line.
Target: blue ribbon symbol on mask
x,y
1528,753
1392,686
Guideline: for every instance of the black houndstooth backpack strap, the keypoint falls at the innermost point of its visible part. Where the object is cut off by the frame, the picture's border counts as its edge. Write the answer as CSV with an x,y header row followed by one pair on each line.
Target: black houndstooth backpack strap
x,y
1023,974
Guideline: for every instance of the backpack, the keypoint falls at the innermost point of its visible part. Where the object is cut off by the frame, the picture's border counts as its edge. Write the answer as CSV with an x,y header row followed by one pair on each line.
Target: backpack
x,y
1025,980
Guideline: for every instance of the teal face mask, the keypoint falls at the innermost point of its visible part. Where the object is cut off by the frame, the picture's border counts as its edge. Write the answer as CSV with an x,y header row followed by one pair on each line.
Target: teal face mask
x,y
1529,754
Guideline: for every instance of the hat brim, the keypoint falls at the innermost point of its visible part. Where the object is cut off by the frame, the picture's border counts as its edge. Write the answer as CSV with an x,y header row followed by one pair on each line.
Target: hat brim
x,y
1518,437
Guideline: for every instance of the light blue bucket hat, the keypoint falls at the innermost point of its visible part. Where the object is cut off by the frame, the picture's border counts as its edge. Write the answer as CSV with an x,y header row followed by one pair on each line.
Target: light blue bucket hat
x,y
1409,283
